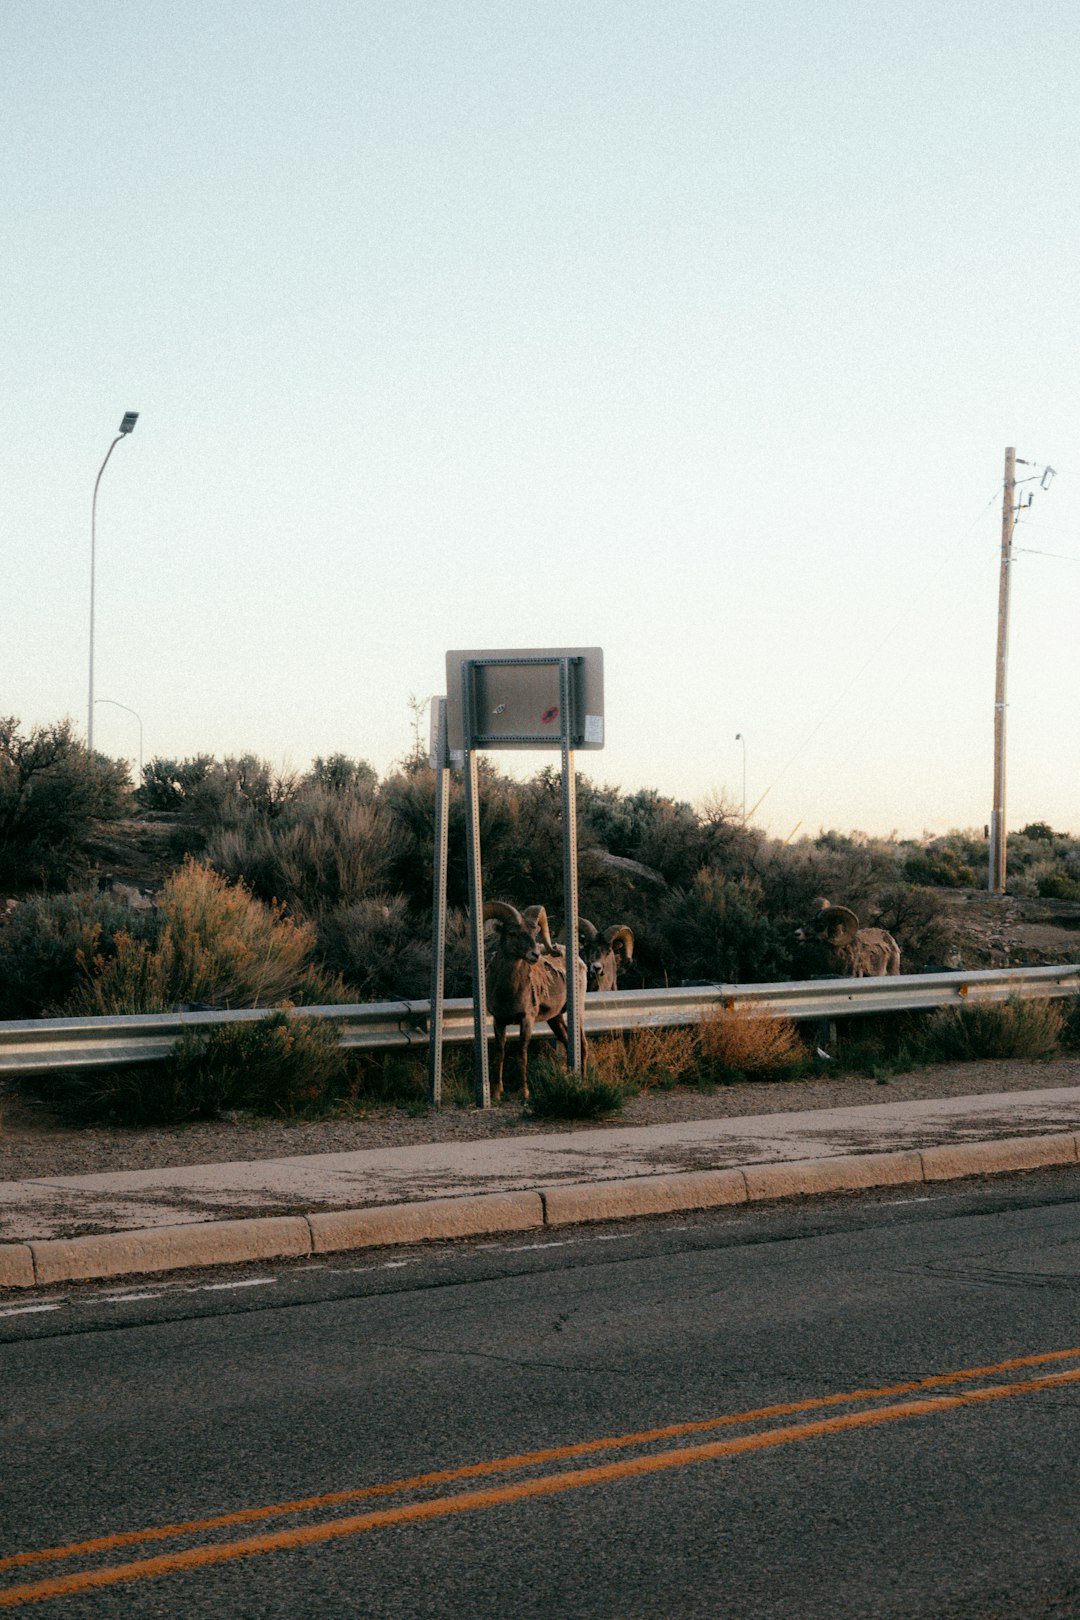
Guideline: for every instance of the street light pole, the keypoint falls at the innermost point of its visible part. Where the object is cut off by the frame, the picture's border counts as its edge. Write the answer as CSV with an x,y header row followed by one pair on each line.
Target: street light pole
x,y
113,703
129,421
740,738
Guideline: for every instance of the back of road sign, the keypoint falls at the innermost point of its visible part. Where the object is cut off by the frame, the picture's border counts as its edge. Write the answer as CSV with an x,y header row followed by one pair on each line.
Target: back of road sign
x,y
516,701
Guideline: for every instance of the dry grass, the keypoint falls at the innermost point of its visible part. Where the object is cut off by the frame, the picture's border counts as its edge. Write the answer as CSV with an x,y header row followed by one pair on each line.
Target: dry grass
x,y
743,1040
645,1057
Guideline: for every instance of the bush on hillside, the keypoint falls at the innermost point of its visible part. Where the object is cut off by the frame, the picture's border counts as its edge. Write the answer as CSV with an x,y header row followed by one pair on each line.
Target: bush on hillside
x,y
340,774
43,947
373,946
167,783
325,848
717,933
52,790
218,947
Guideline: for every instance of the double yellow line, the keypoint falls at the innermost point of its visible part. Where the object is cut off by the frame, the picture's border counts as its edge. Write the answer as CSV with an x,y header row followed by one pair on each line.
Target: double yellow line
x,y
924,1405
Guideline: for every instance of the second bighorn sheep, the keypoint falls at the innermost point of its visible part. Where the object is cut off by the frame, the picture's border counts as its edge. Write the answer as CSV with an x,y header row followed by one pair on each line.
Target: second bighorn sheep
x,y
526,982
859,953
603,953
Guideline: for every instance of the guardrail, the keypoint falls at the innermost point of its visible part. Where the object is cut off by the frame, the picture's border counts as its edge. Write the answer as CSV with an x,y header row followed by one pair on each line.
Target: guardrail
x,y
45,1044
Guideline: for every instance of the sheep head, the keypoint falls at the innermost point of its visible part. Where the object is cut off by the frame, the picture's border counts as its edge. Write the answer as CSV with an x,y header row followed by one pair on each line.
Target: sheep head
x,y
621,940
524,935
837,924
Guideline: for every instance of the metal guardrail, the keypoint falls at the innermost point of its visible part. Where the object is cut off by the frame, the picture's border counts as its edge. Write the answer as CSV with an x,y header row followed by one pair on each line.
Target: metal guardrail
x,y
44,1044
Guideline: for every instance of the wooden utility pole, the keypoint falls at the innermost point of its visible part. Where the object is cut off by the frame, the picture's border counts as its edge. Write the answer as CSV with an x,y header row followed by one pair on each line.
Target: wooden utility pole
x,y
997,819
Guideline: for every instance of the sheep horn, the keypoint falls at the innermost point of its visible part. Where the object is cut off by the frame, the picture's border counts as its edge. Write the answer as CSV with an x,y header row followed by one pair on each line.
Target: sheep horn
x,y
499,911
621,935
536,917
586,929
843,923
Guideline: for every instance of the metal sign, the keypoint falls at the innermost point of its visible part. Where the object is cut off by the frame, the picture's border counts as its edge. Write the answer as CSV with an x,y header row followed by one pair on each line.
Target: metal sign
x,y
505,698
515,699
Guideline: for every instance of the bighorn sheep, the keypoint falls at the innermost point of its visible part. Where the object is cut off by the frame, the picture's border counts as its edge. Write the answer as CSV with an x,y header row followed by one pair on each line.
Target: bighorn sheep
x,y
859,953
602,953
526,982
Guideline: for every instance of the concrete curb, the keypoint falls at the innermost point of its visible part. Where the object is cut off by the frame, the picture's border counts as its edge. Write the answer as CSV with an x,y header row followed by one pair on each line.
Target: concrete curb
x,y
168,1248
274,1237
476,1216
642,1195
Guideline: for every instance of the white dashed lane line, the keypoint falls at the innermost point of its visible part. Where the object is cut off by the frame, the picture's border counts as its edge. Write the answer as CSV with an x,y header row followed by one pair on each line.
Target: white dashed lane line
x,y
243,1282
174,1288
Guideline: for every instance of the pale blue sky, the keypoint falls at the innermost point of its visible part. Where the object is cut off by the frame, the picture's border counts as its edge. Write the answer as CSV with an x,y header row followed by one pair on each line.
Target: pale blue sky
x,y
693,331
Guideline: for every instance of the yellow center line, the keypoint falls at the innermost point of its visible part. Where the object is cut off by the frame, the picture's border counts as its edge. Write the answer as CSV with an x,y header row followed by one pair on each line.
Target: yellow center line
x,y
547,1485
529,1459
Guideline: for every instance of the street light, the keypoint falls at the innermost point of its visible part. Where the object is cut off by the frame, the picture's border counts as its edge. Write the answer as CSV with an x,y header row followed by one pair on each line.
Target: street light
x,y
124,706
740,738
129,421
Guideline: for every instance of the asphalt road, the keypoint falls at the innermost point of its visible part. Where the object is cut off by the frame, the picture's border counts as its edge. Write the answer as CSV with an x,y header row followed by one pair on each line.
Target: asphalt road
x,y
867,1407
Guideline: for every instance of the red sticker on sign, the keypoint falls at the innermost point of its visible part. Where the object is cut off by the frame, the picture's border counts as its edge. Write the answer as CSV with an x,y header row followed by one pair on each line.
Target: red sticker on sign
x,y
549,715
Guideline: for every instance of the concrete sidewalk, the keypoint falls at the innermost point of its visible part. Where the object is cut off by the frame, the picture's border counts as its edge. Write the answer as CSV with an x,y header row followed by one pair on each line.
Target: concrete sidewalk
x,y
64,1228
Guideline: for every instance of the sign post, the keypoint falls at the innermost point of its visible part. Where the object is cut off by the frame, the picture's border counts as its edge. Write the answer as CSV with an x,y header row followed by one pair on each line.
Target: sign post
x,y
527,699
440,764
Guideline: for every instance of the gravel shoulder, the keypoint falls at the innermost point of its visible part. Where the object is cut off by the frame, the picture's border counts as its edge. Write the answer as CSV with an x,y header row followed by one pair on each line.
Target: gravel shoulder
x,y
33,1143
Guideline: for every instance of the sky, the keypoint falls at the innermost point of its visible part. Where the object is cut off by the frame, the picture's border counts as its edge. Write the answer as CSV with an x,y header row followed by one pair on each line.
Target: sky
x,y
695,330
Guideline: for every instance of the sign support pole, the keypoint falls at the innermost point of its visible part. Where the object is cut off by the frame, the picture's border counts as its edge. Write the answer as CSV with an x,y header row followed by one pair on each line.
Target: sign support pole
x,y
440,760
476,892
574,1008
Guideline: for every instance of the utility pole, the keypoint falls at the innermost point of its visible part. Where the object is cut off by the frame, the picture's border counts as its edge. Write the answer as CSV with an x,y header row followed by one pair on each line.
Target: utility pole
x,y
997,820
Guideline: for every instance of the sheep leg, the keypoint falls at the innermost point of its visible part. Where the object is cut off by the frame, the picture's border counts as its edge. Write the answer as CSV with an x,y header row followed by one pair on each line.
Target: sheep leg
x,y
558,1027
526,1028
500,1054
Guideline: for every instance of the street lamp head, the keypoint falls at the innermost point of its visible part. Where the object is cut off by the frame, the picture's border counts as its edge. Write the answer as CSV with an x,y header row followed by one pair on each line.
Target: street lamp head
x,y
130,419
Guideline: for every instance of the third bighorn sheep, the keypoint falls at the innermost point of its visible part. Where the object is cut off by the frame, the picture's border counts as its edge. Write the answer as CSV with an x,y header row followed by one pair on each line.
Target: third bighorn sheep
x,y
526,982
858,953
603,953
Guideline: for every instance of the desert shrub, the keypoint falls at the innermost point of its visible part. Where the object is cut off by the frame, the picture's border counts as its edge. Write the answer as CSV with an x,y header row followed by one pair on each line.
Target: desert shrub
x,y
716,932
218,947
941,866
921,929
237,790
1058,885
340,774
996,1029
644,1057
52,790
745,1041
167,783
373,945
280,1064
47,939
880,1045
1070,1025
554,1093
324,848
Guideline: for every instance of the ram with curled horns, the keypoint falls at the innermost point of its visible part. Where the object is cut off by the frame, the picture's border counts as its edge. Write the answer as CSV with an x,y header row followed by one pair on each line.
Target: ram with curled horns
x,y
854,952
603,953
526,983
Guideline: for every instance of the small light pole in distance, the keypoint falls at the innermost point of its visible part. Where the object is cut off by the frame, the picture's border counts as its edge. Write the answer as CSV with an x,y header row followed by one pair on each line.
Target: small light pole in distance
x,y
113,704
740,738
129,421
